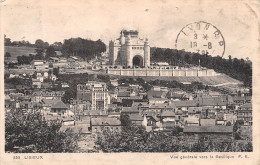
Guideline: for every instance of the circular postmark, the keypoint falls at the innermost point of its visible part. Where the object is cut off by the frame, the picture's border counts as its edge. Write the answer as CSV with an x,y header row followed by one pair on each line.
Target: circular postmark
x,y
201,37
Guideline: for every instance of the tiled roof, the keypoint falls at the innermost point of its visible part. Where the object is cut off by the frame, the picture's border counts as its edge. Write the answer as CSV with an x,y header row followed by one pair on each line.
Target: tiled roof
x,y
174,95
208,129
212,102
123,94
186,103
207,122
136,117
194,109
59,105
130,109
168,124
158,99
154,117
49,102
156,94
95,113
83,120
168,114
162,106
246,106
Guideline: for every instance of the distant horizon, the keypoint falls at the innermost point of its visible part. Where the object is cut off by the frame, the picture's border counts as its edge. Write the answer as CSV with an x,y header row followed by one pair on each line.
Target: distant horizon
x,y
159,21
108,48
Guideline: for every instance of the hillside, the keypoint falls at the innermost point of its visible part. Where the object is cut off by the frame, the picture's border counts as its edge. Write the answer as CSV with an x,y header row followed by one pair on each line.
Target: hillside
x,y
18,51
222,80
240,69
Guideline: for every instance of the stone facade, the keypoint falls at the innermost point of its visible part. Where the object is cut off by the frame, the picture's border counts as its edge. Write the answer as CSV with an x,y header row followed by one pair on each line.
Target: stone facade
x,y
163,72
129,50
94,92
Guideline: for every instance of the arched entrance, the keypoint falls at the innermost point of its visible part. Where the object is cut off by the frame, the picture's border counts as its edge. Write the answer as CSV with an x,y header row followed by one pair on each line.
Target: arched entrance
x,y
138,61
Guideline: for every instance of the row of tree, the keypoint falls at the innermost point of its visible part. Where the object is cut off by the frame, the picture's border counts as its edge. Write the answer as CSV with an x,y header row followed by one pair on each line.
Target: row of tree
x,y
38,44
239,69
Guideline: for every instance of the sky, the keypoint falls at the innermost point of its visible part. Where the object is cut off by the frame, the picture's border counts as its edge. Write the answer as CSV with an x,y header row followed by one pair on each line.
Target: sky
x,y
158,20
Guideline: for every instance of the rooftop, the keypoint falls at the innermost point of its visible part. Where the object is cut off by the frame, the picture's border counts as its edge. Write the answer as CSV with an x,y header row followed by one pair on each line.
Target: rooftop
x,y
208,129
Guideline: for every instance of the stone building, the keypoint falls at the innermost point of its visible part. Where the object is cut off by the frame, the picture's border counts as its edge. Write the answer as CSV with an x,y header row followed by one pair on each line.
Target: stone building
x,y
94,92
129,50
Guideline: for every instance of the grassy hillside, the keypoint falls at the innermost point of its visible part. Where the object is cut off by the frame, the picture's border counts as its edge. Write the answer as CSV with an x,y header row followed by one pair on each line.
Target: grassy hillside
x,y
18,51
221,80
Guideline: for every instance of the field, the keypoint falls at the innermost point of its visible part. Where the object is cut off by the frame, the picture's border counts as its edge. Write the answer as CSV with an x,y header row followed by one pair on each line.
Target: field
x,y
18,51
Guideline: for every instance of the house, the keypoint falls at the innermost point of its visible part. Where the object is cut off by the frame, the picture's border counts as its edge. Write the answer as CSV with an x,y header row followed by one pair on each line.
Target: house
x,y
230,118
114,82
168,120
37,96
54,59
156,94
191,121
84,123
211,102
37,62
27,106
208,133
136,118
12,75
240,100
185,105
63,85
157,108
244,113
177,95
40,78
114,114
100,124
68,121
46,85
36,83
207,122
53,77
151,122
59,108
195,111
130,110
47,104
94,113
158,100
45,75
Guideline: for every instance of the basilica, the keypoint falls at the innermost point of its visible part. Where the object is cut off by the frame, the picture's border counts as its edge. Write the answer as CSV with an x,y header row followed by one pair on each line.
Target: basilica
x,y
129,50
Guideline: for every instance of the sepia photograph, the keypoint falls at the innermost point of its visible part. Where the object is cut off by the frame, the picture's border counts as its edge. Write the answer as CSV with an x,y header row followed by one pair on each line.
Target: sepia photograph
x,y
140,77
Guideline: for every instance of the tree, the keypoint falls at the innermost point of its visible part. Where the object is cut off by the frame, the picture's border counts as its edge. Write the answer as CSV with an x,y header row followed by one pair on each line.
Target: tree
x,y
84,48
125,120
7,41
50,52
56,71
29,133
46,44
24,59
68,96
57,46
7,54
39,43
